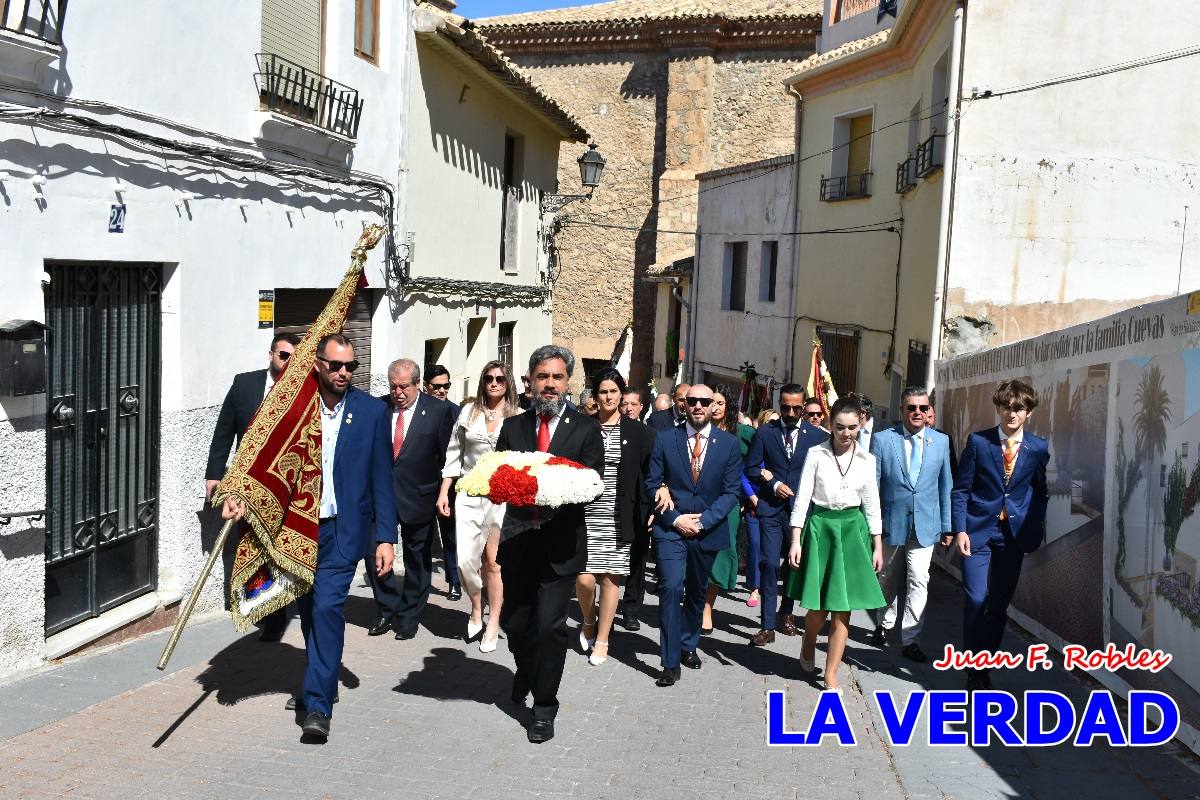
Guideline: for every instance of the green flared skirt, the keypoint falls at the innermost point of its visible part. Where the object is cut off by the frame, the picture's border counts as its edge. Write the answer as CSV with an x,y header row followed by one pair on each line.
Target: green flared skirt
x,y
835,563
724,572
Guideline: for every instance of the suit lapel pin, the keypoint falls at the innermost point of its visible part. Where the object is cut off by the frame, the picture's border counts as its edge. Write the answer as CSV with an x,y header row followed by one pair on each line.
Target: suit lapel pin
x,y
349,418
566,420
422,413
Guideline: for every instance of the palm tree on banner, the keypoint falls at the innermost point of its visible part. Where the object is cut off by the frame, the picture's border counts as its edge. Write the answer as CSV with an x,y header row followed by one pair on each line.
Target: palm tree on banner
x,y
1150,437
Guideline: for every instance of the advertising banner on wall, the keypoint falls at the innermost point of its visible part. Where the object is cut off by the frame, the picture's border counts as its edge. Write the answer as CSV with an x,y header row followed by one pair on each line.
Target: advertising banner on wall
x,y
1119,402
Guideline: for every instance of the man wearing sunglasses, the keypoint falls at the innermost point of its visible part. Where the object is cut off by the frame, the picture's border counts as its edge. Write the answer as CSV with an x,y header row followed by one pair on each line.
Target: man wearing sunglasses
x,y
912,462
241,401
779,448
437,384
420,428
672,417
814,414
701,466
356,518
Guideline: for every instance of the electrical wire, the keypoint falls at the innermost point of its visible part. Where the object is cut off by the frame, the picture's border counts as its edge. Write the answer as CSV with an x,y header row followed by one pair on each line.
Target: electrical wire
x,y
867,228
1122,66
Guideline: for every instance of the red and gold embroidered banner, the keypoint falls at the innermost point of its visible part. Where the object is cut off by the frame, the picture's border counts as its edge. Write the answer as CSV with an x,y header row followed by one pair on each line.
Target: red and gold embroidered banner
x,y
277,470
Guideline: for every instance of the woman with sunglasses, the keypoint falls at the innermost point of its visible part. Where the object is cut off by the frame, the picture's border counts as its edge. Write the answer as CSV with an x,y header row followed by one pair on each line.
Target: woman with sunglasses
x,y
614,518
724,573
837,549
477,519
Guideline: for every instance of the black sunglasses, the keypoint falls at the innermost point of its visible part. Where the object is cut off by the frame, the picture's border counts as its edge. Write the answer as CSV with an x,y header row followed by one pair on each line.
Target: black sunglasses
x,y
284,355
814,413
699,401
439,387
911,407
793,409
336,366
491,379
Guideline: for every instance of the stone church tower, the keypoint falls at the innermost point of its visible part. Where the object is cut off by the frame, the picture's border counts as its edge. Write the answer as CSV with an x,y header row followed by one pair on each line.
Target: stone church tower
x,y
668,89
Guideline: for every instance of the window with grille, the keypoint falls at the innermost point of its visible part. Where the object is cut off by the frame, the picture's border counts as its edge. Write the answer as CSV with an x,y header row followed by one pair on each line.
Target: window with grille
x,y
918,363
504,343
840,346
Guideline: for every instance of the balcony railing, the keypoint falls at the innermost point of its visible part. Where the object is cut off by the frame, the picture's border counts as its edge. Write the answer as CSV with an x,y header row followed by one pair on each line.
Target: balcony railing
x,y
287,88
846,187
906,175
930,155
40,19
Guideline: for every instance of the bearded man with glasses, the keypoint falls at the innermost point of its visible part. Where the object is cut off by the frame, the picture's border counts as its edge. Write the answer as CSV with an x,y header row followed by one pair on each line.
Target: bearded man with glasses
x,y
248,391
912,463
437,384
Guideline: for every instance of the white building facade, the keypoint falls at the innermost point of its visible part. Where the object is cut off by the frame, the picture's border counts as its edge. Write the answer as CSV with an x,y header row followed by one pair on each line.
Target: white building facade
x,y
164,212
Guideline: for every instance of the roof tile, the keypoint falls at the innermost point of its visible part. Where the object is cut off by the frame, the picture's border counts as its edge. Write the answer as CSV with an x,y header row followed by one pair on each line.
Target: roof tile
x,y
632,10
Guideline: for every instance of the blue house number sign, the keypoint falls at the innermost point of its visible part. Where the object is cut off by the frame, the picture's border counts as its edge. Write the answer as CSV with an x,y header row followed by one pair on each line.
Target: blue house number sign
x,y
116,218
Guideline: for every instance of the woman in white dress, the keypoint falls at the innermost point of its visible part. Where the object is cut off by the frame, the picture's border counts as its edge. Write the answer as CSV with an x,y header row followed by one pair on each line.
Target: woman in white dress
x,y
477,519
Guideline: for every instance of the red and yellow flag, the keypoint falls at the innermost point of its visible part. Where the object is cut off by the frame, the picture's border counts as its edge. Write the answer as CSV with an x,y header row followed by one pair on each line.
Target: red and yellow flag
x,y
277,470
820,382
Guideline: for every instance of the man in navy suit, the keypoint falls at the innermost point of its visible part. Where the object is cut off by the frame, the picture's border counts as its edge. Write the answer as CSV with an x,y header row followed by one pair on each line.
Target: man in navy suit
x,y
912,464
357,516
673,417
779,447
701,466
437,384
420,428
999,513
242,400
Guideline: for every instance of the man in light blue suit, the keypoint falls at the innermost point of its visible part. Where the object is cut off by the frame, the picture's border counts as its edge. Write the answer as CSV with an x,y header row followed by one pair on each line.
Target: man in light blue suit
x,y
912,462
701,466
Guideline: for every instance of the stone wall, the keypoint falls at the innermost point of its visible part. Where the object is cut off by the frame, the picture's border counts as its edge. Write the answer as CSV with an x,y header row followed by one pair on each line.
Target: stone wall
x,y
659,118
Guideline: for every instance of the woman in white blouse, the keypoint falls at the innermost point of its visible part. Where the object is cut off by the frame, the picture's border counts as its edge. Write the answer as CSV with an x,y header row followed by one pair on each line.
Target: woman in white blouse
x,y
477,519
837,550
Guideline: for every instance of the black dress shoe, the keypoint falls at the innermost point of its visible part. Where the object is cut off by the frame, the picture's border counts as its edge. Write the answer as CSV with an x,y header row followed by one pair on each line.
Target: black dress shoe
x,y
316,724
878,637
381,625
455,592
630,621
690,659
406,634
913,652
541,730
705,631
668,677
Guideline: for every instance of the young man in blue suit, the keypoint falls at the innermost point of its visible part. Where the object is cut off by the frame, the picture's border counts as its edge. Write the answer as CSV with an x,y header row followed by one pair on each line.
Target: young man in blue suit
x,y
778,448
357,516
912,462
701,466
999,513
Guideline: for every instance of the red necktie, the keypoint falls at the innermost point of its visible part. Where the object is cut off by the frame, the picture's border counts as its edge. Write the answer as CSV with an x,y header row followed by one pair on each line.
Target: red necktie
x,y
398,439
543,434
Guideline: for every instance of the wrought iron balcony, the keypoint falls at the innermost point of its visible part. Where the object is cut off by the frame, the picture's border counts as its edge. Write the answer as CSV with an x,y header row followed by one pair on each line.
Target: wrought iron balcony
x,y
287,88
906,175
40,19
930,155
846,187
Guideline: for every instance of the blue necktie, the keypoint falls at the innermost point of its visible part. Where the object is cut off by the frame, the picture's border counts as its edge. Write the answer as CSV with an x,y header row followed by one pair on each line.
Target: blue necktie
x,y
914,458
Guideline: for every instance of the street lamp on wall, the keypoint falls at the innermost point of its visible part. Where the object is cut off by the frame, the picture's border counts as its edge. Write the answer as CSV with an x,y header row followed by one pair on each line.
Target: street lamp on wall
x,y
591,168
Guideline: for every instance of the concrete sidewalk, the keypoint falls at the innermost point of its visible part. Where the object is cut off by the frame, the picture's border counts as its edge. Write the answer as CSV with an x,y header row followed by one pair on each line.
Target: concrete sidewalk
x,y
430,718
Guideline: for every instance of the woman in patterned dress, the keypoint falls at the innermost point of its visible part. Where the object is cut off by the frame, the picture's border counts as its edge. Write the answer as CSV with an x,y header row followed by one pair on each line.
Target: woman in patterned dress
x,y
477,520
613,517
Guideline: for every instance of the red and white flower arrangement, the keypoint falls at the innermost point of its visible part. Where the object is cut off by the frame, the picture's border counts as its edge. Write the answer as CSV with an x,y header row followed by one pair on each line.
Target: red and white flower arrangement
x,y
531,479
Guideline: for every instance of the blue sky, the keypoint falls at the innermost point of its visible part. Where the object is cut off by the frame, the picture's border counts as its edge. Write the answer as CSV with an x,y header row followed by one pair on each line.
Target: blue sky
x,y
492,8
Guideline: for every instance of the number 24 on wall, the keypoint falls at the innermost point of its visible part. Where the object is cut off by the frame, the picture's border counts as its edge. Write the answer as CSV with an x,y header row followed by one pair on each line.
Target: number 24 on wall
x,y
116,218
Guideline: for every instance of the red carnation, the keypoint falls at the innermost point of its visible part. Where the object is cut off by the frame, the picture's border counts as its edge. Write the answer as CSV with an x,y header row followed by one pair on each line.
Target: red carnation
x,y
556,461
513,486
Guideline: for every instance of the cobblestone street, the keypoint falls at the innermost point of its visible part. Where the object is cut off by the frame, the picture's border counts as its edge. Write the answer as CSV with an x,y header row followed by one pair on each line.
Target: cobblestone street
x,y
430,718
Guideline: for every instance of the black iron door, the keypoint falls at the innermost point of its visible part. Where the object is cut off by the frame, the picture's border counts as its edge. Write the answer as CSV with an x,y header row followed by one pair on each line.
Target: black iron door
x,y
102,437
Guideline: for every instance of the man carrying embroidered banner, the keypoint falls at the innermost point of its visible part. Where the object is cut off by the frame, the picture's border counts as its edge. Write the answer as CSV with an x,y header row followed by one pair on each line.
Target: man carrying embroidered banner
x,y
820,382
312,483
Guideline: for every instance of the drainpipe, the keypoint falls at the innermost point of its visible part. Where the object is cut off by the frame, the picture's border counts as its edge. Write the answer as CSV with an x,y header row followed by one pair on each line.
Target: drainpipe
x,y
947,211
795,274
689,360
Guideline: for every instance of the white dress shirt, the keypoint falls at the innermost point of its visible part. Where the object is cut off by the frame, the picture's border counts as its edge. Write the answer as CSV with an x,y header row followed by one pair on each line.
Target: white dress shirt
x,y
409,413
552,423
821,482
269,384
919,439
331,426
691,441
1019,437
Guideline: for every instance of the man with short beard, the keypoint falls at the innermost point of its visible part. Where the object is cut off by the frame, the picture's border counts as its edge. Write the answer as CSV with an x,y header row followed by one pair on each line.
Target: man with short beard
x,y
541,551
357,518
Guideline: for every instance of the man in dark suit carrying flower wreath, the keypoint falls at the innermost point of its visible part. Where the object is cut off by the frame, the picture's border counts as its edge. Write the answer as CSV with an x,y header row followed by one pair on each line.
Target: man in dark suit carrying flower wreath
x,y
542,550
